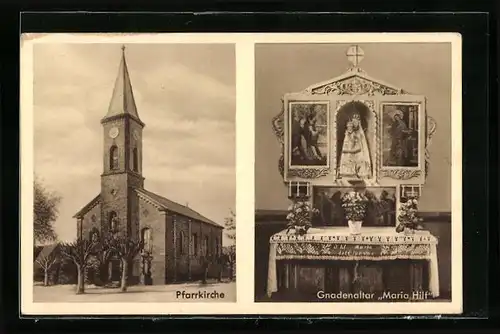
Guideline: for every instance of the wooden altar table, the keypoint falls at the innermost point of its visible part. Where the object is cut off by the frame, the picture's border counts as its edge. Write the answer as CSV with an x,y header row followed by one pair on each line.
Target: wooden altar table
x,y
335,243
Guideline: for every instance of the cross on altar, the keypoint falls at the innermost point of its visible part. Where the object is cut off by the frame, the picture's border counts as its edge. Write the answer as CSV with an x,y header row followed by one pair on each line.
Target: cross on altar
x,y
355,55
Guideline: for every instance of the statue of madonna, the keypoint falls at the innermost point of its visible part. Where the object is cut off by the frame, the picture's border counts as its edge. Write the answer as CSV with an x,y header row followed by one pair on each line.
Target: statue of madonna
x,y
355,159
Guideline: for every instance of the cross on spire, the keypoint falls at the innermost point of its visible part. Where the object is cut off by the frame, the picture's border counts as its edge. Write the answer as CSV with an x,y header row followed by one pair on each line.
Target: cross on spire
x,y
355,55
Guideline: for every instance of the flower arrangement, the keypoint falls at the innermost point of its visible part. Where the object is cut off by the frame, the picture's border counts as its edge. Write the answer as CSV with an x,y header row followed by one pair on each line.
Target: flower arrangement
x,y
408,218
354,204
299,216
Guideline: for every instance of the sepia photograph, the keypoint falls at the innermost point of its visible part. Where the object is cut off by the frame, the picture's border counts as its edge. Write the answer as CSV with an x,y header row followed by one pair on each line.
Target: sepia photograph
x,y
338,154
374,223
134,172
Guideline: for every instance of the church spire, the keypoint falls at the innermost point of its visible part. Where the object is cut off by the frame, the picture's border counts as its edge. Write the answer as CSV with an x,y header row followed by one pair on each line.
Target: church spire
x,y
122,100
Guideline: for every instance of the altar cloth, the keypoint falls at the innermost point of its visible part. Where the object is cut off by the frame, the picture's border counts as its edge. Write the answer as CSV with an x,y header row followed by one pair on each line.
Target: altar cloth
x,y
336,243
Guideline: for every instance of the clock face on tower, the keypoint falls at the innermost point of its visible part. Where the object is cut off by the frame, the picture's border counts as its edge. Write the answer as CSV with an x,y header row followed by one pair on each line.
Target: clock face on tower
x,y
113,132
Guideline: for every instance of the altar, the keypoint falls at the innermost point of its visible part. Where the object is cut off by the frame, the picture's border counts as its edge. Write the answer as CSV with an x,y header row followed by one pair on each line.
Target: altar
x,y
336,244
354,160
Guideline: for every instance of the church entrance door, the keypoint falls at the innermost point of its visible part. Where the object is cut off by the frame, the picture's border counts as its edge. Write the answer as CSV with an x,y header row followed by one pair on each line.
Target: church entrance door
x,y
114,270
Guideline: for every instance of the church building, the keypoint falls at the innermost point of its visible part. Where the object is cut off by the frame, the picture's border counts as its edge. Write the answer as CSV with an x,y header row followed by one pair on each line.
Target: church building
x,y
176,238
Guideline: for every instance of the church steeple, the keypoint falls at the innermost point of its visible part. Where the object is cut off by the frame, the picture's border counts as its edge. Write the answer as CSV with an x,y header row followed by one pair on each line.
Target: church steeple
x,y
123,130
122,158
122,101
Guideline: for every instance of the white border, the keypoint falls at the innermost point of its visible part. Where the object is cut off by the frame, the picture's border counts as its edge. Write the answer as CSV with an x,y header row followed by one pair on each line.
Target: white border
x,y
245,183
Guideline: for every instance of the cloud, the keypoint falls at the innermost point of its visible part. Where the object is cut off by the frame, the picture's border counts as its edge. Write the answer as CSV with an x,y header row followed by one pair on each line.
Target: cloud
x,y
183,93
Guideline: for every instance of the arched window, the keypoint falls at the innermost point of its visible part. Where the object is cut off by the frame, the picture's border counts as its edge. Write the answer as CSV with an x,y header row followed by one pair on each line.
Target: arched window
x,y
135,160
216,248
113,221
113,157
94,235
180,244
194,244
146,239
205,246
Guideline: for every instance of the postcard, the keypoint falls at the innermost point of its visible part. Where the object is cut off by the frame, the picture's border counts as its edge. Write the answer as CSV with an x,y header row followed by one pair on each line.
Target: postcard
x,y
334,159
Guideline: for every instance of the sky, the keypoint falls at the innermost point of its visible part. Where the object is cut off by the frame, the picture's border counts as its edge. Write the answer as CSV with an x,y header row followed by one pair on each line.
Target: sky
x,y
420,68
186,96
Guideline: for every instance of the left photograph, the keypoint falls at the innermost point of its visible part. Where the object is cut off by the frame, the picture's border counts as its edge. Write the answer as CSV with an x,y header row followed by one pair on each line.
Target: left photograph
x,y
134,172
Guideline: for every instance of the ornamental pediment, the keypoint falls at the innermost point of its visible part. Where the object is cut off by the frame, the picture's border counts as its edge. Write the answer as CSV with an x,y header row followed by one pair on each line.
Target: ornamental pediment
x,y
354,82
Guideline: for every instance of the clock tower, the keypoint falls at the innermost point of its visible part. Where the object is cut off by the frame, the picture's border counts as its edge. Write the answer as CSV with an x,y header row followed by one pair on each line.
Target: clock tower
x,y
122,159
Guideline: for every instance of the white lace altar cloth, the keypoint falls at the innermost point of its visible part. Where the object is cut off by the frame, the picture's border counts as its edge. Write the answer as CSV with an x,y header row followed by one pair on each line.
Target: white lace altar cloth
x,y
336,243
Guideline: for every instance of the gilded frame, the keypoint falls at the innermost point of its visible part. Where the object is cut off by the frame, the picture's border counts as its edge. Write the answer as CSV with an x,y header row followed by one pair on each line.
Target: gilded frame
x,y
406,174
281,126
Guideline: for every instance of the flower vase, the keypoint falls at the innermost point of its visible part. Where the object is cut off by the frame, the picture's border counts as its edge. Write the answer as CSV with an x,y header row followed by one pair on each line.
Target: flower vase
x,y
409,231
355,227
301,230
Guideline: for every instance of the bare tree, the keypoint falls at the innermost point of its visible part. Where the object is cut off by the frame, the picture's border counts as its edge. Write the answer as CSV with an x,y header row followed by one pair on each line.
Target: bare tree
x,y
229,254
79,252
126,250
46,262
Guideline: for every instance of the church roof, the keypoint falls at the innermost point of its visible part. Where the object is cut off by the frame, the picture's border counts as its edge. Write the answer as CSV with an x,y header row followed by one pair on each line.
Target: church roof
x,y
122,101
88,207
162,202
169,205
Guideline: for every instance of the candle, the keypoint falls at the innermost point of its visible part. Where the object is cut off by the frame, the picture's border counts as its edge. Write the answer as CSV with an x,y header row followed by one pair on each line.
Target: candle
x,y
307,190
298,187
289,189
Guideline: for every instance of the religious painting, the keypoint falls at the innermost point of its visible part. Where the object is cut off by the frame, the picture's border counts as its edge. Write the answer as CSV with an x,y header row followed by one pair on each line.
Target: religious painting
x,y
355,141
308,134
381,210
400,132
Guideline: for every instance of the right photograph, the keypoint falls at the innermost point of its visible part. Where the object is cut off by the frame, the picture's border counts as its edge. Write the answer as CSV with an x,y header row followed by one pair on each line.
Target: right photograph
x,y
353,172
